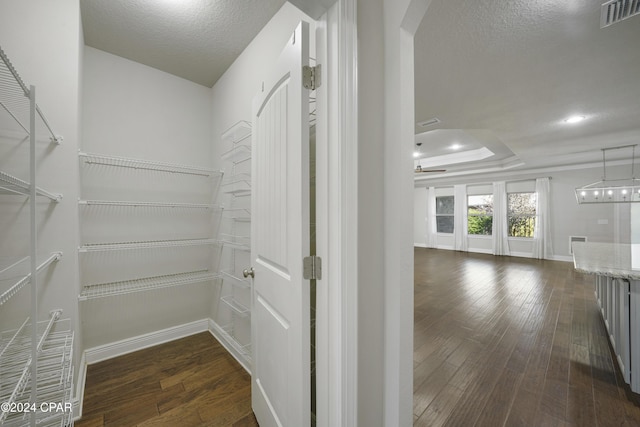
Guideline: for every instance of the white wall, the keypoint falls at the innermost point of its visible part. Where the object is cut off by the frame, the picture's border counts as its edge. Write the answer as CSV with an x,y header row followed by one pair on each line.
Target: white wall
x,y
233,93
600,223
42,38
132,110
371,217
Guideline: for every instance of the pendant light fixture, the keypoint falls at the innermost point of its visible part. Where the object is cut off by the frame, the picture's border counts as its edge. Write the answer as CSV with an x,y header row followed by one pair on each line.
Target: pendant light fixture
x,y
625,190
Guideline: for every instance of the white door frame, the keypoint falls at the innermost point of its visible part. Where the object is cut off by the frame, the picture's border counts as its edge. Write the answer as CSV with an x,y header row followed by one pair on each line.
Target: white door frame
x,y
343,249
336,215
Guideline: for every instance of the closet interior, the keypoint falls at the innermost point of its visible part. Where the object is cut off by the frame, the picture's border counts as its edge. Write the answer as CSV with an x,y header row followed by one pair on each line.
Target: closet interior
x,y
145,225
36,342
232,302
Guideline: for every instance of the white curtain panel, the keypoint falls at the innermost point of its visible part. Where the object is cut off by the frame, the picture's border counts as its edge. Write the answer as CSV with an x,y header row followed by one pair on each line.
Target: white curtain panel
x,y
460,218
431,238
542,245
500,228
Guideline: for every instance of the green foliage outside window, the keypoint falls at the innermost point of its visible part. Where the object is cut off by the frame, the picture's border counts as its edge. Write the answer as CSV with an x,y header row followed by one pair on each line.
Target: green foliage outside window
x,y
480,215
521,215
478,223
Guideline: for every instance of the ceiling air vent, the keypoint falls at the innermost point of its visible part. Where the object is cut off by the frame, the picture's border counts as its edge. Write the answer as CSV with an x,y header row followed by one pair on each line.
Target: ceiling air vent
x,y
616,10
432,121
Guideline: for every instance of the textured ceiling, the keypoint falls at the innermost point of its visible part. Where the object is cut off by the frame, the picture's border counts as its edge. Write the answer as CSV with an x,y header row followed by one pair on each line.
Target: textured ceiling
x,y
505,73
193,39
518,68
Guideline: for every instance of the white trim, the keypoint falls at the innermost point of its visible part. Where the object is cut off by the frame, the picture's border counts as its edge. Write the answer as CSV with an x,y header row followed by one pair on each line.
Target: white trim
x,y
448,178
219,335
565,258
420,245
129,345
480,251
522,254
562,258
81,378
345,331
479,236
520,239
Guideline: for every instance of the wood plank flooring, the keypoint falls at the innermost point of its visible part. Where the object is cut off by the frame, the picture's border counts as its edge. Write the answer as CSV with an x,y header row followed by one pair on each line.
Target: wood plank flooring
x,y
188,382
498,341
505,341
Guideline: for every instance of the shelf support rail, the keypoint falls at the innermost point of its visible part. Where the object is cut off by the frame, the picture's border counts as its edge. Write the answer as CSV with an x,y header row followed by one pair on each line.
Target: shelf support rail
x,y
6,295
14,338
23,187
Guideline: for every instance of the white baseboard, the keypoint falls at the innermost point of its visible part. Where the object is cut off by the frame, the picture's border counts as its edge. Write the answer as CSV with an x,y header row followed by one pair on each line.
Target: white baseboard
x,y
81,379
447,248
419,245
521,254
565,258
129,345
221,336
481,251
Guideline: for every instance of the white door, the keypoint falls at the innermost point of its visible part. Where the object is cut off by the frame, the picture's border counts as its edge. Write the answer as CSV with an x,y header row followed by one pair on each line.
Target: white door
x,y
280,325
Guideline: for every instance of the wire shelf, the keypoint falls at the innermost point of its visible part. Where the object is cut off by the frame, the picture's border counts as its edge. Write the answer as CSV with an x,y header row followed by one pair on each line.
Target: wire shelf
x,y
136,204
237,307
14,98
238,132
125,162
102,247
55,369
12,185
238,214
22,282
227,333
238,185
236,242
239,153
145,284
230,277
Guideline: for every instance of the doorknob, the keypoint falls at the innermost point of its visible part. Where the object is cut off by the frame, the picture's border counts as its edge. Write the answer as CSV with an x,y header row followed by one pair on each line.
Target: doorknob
x,y
249,272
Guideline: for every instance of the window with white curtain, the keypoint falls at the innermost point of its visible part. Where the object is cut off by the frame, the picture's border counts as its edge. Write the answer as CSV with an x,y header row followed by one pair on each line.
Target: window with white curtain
x,y
480,214
521,214
444,214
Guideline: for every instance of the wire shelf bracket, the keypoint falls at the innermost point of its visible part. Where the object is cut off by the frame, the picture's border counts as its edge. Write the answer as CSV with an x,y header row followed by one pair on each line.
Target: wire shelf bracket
x,y
6,295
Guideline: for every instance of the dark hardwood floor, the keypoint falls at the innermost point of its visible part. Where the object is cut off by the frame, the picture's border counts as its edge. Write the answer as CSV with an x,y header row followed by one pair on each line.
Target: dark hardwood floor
x,y
499,341
505,341
188,382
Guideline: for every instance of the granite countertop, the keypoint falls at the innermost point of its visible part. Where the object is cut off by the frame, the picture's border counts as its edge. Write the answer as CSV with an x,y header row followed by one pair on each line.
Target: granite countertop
x,y
606,259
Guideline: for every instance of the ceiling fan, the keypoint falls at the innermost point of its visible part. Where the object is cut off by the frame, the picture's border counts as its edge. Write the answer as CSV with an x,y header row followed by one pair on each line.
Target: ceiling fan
x,y
420,170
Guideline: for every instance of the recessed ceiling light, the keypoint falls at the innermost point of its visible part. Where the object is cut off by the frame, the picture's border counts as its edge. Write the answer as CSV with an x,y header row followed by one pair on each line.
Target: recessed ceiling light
x,y
455,146
574,119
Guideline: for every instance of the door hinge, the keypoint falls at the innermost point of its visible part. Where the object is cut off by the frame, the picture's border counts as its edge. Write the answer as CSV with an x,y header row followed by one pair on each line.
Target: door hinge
x,y
311,77
312,268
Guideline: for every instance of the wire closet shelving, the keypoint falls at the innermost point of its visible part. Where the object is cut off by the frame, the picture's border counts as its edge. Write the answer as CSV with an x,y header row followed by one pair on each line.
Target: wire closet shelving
x,y
36,358
148,282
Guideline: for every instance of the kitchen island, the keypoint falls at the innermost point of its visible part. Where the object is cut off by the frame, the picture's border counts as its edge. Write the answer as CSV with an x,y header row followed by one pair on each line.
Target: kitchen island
x,y
617,289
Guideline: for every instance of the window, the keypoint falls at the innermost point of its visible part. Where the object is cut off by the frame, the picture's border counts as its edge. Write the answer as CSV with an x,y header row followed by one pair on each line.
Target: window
x,y
521,214
444,214
480,215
